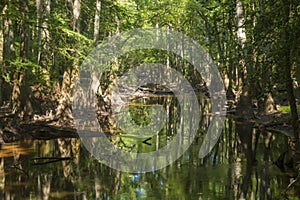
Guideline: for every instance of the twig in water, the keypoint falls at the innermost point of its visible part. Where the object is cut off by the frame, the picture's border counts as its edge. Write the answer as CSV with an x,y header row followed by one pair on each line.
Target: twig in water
x,y
49,160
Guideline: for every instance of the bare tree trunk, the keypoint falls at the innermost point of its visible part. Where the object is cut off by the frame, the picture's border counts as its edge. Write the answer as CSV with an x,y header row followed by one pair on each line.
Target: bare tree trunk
x,y
244,106
287,63
76,15
64,111
46,41
8,53
97,21
25,102
43,9
288,66
231,69
39,4
241,37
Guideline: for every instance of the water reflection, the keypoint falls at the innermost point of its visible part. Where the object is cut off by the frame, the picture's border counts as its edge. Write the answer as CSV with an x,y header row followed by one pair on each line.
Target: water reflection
x,y
82,177
240,166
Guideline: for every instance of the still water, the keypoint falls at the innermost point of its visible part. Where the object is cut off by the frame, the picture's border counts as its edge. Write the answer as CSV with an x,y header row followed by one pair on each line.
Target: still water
x,y
239,166
218,176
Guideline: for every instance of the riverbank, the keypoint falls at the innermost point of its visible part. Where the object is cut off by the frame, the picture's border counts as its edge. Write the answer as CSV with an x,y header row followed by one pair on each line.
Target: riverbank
x,y
47,127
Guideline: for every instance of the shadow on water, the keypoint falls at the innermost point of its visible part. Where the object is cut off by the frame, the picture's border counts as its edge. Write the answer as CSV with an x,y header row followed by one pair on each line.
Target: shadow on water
x,y
240,166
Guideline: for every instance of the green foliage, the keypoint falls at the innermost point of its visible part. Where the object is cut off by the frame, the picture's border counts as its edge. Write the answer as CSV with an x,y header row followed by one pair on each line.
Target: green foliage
x,y
6,77
211,23
140,115
284,109
287,109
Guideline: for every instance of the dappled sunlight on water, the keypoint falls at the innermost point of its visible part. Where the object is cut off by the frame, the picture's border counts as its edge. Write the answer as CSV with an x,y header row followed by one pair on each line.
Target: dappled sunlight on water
x,y
14,149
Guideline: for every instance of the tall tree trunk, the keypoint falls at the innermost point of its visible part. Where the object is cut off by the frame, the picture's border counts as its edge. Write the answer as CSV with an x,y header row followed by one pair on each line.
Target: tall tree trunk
x,y
8,53
43,9
64,109
244,106
97,21
288,66
25,101
39,4
241,36
44,40
76,15
230,54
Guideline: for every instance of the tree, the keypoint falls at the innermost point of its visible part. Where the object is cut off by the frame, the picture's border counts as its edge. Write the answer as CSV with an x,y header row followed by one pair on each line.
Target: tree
x,y
63,111
287,63
97,21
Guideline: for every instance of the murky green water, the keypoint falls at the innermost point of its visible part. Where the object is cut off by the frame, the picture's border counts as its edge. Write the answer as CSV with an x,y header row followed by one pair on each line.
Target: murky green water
x,y
218,176
64,169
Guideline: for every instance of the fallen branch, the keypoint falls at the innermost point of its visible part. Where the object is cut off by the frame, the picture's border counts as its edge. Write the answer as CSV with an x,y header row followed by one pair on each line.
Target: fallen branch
x,y
50,160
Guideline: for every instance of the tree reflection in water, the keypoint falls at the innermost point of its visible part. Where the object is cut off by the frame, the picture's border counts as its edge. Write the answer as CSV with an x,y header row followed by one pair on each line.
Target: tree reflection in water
x,y
240,166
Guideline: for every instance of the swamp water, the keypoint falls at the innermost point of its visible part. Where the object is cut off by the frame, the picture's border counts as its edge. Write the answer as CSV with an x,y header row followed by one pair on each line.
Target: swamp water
x,y
64,169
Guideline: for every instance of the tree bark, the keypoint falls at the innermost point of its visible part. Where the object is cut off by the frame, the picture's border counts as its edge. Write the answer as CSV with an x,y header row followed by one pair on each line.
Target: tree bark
x,y
294,150
97,21
64,109
21,91
288,66
241,37
244,106
8,53
39,4
76,15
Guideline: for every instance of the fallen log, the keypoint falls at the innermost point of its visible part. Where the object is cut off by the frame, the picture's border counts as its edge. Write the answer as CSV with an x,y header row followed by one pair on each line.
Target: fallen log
x,y
46,131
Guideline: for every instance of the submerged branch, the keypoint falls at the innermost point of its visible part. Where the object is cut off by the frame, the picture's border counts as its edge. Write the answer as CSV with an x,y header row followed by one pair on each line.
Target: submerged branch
x,y
48,160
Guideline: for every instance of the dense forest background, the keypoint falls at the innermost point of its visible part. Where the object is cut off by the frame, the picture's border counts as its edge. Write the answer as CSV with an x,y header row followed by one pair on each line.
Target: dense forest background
x,y
254,43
